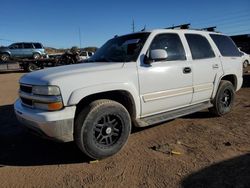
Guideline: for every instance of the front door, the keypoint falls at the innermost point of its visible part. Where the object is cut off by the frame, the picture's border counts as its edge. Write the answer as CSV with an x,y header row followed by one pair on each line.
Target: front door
x,y
16,49
165,85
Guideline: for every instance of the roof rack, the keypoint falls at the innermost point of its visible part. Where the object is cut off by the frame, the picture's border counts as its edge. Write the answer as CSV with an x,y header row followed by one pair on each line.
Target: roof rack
x,y
182,26
209,28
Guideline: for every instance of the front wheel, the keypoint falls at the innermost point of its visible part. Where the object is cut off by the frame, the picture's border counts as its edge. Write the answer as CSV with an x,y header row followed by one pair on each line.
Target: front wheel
x,y
36,56
5,57
102,128
224,99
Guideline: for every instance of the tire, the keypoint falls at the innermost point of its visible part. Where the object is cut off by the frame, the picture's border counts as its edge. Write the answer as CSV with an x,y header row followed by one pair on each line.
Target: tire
x,y
102,128
245,64
5,57
31,67
224,99
36,56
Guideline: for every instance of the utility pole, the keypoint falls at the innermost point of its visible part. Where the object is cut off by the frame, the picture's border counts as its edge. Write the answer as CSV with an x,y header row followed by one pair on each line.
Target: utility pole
x,y
133,26
80,37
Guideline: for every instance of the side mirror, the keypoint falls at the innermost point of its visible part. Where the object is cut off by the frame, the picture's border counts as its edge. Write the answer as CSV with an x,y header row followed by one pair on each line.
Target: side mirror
x,y
155,55
158,55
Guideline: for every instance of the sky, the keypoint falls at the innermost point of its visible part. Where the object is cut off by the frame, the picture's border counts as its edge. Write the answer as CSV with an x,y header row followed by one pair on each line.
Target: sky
x,y
64,23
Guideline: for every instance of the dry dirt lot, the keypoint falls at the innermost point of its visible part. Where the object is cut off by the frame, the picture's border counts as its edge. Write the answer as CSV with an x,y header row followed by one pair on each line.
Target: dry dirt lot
x,y
211,152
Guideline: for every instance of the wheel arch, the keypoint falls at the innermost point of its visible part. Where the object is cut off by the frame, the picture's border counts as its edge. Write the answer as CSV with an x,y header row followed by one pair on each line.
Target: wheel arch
x,y
229,77
6,52
121,96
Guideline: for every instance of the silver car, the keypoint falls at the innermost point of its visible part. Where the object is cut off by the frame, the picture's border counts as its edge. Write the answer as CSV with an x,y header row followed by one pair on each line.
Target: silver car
x,y
33,50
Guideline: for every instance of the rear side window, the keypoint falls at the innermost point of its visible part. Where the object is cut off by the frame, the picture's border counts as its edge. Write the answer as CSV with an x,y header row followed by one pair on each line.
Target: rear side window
x,y
37,45
199,46
27,46
172,44
225,45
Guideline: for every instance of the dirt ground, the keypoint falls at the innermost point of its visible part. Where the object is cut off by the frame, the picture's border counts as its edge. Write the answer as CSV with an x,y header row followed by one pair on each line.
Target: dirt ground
x,y
197,150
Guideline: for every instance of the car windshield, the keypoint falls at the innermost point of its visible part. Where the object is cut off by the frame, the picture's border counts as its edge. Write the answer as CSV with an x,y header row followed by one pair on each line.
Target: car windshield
x,y
120,49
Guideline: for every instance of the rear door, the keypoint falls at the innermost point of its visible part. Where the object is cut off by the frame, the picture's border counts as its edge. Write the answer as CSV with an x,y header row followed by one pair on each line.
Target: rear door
x,y
229,54
28,49
164,85
205,66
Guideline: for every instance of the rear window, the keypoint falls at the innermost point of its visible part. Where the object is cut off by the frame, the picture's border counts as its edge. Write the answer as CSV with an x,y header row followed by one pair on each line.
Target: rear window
x,y
38,45
199,46
225,45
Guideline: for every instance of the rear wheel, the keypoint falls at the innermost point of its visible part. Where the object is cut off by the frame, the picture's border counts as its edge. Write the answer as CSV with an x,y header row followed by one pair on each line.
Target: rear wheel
x,y
224,99
245,64
31,67
5,57
102,128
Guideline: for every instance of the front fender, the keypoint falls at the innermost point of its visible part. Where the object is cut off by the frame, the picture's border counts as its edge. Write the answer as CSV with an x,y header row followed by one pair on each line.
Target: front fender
x,y
77,95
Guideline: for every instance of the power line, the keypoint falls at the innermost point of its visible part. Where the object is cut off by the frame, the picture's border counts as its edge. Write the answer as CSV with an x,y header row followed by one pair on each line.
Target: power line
x,y
224,17
7,40
223,20
238,32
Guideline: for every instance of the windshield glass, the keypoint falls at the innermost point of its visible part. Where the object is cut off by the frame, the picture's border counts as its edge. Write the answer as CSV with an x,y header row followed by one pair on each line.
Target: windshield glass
x,y
120,49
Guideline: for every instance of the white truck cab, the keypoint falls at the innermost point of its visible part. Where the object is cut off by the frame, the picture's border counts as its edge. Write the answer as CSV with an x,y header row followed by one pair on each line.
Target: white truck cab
x,y
137,79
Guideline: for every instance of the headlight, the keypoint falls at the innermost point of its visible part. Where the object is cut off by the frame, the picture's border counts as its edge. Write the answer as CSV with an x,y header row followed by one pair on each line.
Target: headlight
x,y
46,90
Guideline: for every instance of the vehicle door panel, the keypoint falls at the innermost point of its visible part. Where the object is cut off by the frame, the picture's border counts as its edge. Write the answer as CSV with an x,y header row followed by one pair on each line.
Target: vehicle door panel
x,y
206,65
163,84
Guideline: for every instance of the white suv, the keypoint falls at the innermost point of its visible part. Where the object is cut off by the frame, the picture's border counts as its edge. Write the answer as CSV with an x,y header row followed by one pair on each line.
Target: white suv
x,y
137,79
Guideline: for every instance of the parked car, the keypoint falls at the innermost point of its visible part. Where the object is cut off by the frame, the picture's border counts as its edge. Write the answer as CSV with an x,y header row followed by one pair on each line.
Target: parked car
x,y
85,55
137,79
33,50
245,59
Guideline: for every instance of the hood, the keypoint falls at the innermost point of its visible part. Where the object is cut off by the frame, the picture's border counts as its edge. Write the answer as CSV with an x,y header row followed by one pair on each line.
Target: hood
x,y
57,75
3,48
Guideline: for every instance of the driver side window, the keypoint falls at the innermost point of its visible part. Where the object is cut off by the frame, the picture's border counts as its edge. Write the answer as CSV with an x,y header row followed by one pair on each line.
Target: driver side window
x,y
170,42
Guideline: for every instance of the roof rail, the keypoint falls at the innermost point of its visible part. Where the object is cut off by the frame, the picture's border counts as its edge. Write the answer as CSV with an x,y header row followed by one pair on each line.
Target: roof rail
x,y
182,26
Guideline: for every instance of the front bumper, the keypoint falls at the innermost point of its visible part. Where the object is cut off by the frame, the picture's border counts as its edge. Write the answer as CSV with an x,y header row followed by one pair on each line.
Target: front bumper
x,y
56,125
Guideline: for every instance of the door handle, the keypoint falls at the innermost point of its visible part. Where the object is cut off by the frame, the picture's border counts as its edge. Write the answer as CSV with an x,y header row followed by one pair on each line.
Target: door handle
x,y
215,66
187,70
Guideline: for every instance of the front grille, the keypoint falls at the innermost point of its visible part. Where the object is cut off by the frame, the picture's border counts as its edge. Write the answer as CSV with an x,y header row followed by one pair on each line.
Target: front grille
x,y
27,102
26,88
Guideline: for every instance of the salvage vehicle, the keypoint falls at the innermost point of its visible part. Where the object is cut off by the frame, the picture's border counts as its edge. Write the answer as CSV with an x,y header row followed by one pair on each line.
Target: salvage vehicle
x,y
85,55
138,79
245,59
32,50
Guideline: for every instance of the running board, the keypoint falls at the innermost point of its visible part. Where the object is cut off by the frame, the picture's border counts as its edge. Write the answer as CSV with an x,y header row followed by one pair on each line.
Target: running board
x,y
159,118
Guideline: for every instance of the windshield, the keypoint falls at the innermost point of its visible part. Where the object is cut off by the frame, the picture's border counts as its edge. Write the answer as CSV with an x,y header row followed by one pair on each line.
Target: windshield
x,y
120,49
